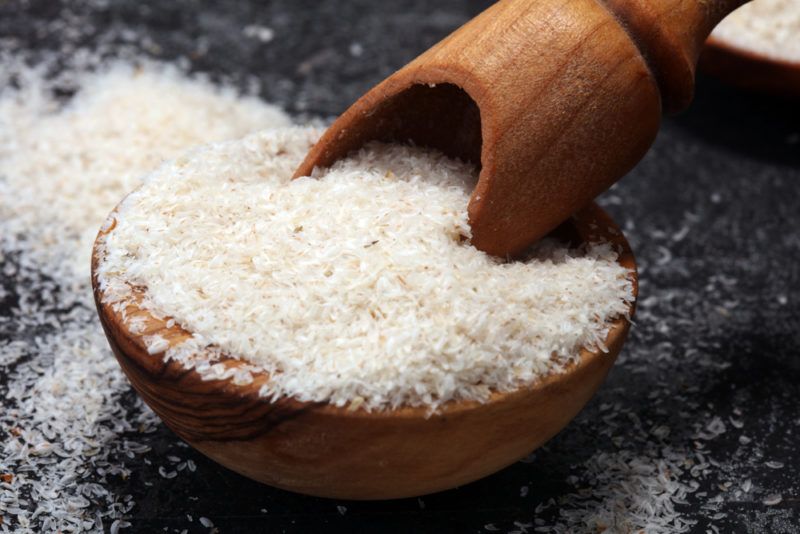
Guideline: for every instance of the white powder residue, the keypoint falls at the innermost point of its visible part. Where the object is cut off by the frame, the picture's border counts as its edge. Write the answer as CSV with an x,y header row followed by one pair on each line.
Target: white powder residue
x,y
626,492
63,165
66,166
262,33
356,284
769,27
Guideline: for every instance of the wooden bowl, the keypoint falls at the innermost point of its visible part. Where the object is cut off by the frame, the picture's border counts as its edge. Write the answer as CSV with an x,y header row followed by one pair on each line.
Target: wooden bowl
x,y
749,69
319,449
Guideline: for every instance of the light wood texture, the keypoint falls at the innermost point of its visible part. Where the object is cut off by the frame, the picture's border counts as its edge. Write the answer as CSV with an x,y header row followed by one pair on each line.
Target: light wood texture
x,y
322,450
555,99
750,70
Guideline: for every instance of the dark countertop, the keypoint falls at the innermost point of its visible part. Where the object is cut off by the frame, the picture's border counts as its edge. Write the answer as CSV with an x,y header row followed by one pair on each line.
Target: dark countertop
x,y
712,212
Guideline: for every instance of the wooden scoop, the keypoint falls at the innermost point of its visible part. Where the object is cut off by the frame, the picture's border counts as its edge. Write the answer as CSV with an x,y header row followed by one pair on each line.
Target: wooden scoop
x,y
555,99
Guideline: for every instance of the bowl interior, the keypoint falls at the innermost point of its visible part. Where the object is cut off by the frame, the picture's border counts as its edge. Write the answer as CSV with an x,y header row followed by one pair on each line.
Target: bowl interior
x,y
591,224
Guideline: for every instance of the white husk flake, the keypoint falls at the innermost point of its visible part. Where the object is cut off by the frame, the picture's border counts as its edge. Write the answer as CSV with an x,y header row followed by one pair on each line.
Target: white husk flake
x,y
354,285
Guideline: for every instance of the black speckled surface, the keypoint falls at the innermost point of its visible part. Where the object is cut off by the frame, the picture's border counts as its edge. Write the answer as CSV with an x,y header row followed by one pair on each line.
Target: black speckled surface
x,y
712,213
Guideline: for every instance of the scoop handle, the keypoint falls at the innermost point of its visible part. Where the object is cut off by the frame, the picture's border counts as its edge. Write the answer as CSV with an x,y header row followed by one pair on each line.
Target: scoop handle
x,y
670,34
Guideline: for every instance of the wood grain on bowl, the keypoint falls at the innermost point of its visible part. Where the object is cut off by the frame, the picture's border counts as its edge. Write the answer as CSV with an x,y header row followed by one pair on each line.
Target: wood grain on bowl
x,y
320,449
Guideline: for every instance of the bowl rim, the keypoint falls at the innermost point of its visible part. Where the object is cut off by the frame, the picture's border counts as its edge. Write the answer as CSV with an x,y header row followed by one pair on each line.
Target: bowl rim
x,y
727,61
590,224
